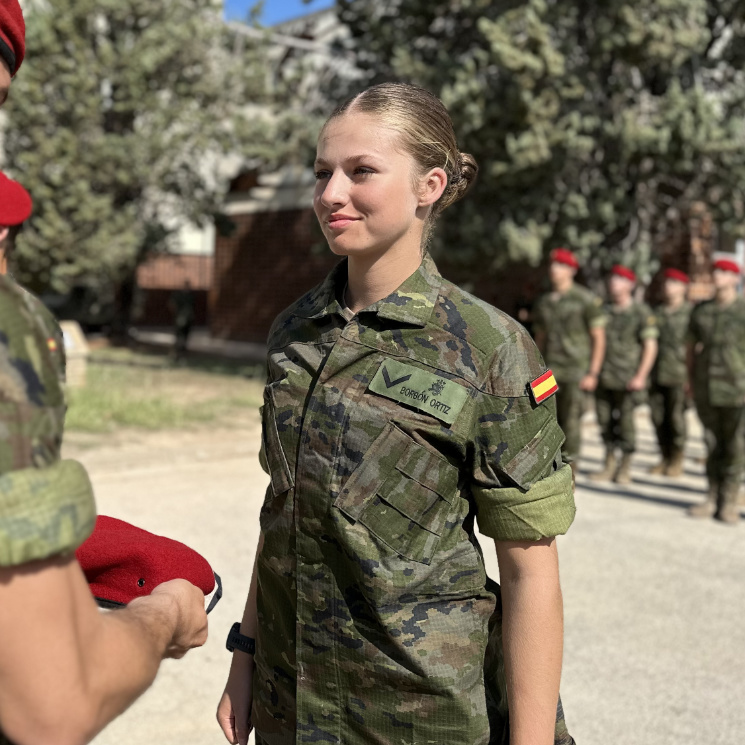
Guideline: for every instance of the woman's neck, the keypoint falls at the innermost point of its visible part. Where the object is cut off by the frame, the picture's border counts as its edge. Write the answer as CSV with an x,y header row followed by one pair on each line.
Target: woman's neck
x,y
371,278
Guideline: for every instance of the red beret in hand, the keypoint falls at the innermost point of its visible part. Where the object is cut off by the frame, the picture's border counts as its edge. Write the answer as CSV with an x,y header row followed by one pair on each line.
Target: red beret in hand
x,y
15,202
122,562
564,256
12,34
623,271
677,275
726,265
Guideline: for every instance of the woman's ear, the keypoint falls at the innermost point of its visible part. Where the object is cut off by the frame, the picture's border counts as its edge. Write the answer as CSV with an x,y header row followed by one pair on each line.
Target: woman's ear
x,y
432,186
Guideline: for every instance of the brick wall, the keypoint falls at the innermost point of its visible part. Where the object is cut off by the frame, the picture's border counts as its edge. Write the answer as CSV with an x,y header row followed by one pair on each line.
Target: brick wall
x,y
267,261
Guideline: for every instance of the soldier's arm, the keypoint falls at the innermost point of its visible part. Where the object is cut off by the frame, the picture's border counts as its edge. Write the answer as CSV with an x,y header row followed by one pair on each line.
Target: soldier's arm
x,y
66,669
597,355
532,631
649,355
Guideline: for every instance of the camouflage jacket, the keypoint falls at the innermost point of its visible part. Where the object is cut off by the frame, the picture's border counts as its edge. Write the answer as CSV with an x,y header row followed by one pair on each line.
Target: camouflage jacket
x,y
670,367
46,504
718,337
385,436
626,331
566,321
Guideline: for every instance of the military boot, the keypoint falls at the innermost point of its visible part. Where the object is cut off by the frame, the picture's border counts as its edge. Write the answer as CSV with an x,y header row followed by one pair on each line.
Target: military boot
x,y
729,510
675,465
624,472
707,508
661,468
609,469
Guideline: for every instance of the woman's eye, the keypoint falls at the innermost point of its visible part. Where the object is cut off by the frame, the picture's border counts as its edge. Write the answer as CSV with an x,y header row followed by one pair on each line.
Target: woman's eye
x,y
322,175
363,171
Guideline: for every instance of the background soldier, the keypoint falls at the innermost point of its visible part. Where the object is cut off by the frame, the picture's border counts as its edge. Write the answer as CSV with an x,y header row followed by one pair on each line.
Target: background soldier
x,y
670,374
569,327
65,669
716,356
631,348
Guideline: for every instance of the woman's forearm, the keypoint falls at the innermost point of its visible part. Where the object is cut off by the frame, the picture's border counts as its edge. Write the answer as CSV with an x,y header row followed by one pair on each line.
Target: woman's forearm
x,y
249,622
533,643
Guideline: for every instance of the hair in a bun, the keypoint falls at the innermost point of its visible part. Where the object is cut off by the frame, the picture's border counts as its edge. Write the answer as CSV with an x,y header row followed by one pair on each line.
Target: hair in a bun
x,y
427,132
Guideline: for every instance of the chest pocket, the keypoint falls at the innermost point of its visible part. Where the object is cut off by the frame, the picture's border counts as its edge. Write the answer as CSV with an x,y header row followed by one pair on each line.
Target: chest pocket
x,y
272,456
402,493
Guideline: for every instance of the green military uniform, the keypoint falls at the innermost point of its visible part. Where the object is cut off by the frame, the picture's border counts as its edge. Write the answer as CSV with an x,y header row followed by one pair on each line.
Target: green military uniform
x,y
669,376
386,434
626,331
46,504
565,320
717,334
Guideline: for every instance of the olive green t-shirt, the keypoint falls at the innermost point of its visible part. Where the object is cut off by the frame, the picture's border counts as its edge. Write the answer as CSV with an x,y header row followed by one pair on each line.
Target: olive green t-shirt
x,y
670,367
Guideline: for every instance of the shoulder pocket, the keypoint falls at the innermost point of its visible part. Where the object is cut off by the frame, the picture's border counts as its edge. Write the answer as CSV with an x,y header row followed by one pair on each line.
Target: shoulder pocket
x,y
402,494
272,456
533,461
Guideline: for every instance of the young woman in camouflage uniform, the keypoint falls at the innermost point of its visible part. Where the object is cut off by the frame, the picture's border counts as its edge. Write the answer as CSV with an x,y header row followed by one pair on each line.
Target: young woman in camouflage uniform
x,y
399,410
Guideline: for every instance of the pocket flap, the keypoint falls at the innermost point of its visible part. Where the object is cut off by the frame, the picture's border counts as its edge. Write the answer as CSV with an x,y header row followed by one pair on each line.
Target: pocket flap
x,y
430,470
416,502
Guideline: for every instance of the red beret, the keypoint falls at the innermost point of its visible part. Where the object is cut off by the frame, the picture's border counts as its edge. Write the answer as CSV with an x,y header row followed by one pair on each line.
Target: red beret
x,y
122,562
623,271
677,275
564,256
12,34
725,265
15,202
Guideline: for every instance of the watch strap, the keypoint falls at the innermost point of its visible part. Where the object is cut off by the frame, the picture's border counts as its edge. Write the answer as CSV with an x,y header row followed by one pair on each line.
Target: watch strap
x,y
239,641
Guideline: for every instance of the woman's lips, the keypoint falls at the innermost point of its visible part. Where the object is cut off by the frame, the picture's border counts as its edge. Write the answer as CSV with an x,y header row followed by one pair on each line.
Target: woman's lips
x,y
338,223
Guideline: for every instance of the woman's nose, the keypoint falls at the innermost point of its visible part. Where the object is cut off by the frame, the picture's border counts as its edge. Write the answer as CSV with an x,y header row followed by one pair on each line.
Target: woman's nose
x,y
335,191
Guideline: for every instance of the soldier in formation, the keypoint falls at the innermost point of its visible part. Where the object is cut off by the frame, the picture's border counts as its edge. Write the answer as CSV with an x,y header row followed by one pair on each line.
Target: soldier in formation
x,y
65,669
668,395
569,329
631,348
398,410
716,356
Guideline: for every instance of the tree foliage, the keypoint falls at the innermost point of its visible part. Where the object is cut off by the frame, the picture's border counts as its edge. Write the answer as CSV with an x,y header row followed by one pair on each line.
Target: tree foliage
x,y
596,123
117,124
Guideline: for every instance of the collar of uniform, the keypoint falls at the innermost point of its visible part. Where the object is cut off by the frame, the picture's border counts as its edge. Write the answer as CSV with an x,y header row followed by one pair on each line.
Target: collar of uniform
x,y
413,302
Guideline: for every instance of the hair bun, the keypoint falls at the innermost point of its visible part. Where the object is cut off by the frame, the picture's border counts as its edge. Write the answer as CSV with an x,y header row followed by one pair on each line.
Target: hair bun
x,y
459,181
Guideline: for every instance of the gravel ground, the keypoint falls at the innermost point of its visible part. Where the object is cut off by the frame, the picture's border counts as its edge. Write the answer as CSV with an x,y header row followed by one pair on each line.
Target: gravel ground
x,y
654,601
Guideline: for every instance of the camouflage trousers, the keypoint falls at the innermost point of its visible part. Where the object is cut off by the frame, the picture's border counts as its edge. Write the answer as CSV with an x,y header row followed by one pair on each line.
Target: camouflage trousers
x,y
668,404
725,442
569,407
615,411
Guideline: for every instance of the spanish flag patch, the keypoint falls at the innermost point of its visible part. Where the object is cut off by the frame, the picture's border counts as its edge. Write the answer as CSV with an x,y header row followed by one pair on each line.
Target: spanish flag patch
x,y
52,344
544,387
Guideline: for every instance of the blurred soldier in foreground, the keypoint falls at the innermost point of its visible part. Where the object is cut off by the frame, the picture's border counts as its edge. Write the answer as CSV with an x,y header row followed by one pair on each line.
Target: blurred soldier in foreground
x,y
716,357
670,374
631,348
569,327
65,669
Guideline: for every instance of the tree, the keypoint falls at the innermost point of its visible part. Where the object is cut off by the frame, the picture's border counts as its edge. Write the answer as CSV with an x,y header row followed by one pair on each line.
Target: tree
x,y
595,123
118,123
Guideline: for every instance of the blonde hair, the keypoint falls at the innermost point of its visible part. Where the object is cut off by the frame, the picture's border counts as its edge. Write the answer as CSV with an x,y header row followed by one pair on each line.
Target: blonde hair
x,y
427,135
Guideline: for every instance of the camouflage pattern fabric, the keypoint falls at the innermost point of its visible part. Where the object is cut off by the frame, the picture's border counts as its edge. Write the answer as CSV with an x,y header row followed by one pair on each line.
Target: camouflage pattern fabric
x,y
717,334
615,412
668,405
566,321
670,368
570,404
626,330
46,505
386,435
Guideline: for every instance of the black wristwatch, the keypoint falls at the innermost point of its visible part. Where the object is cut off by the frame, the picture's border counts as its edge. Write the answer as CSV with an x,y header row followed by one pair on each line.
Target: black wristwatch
x,y
238,641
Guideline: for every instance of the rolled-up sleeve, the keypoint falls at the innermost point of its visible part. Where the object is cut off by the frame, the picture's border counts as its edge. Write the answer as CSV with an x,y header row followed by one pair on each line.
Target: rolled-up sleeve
x,y
521,489
44,512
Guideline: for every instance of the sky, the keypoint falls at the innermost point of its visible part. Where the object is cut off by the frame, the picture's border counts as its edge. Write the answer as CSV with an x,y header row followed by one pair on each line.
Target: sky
x,y
275,11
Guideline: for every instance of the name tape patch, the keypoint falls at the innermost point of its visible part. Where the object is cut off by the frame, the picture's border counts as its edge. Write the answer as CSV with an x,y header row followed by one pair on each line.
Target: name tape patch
x,y
440,397
544,387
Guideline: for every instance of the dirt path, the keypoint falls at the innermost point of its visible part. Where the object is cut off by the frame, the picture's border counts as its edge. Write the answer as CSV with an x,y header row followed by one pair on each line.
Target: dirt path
x,y
654,602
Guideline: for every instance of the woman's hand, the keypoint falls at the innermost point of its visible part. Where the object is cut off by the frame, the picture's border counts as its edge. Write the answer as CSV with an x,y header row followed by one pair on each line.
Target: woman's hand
x,y
234,709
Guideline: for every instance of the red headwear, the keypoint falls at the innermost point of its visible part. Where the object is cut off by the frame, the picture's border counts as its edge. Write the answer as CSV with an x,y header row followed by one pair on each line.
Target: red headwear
x,y
726,265
623,271
564,256
122,562
15,202
677,275
12,34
